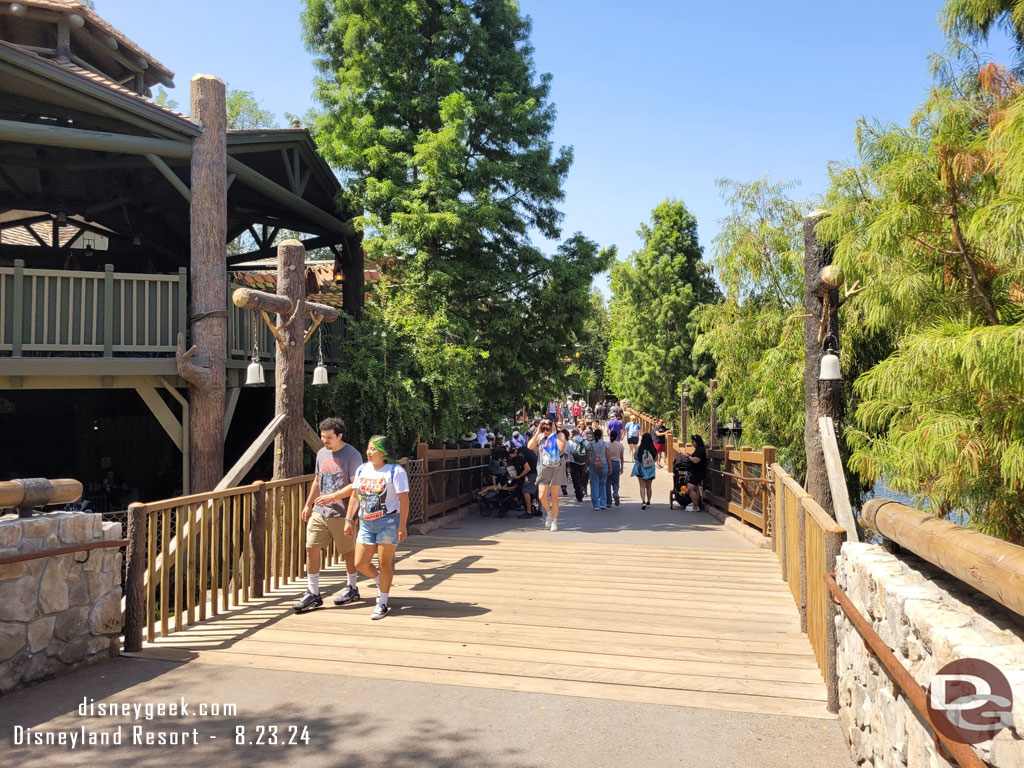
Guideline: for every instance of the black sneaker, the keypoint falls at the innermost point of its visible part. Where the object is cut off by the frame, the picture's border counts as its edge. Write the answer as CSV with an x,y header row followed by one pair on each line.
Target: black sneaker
x,y
308,602
616,501
348,594
524,516
380,611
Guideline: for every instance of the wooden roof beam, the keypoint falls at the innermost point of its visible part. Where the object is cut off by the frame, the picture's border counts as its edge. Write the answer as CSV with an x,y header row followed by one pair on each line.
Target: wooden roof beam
x,y
99,141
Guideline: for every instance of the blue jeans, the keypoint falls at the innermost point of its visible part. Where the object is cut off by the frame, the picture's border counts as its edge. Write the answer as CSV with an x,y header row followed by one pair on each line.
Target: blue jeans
x,y
612,489
383,530
599,487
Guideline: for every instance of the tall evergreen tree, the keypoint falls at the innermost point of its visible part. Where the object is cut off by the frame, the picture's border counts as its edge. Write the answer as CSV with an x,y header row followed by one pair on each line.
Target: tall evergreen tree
x,y
655,293
434,112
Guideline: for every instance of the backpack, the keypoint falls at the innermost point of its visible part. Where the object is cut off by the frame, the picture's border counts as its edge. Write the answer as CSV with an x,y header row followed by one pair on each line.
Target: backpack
x,y
598,460
647,461
579,451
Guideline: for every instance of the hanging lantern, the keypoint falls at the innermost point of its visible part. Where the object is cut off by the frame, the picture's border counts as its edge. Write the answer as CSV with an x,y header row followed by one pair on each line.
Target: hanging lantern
x,y
320,372
829,370
254,373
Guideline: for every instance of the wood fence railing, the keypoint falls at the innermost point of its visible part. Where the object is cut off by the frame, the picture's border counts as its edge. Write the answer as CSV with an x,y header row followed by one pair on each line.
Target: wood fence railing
x,y
191,557
807,542
441,479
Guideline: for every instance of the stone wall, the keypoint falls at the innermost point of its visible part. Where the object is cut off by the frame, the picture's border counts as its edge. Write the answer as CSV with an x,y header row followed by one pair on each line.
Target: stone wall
x,y
56,613
928,619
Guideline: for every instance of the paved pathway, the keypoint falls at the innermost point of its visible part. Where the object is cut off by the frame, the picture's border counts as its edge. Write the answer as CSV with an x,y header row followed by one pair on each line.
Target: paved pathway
x,y
656,636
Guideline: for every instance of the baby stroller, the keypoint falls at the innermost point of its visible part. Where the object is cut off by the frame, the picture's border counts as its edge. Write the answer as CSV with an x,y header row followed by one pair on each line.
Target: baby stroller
x,y
680,477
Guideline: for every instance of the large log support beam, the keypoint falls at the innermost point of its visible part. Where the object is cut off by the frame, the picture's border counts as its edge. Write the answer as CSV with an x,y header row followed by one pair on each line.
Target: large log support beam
x,y
289,373
988,564
821,398
247,298
208,219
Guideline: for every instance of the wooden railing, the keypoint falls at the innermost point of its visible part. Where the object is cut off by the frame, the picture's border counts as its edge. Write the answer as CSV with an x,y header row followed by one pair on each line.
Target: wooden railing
x,y
441,479
807,542
194,556
106,314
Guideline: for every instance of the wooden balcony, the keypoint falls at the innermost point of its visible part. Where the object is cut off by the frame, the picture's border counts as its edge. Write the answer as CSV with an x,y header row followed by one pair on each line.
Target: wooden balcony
x,y
47,313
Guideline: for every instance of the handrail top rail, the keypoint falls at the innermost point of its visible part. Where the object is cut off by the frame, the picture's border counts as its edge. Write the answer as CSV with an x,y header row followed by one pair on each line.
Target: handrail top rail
x,y
199,498
820,516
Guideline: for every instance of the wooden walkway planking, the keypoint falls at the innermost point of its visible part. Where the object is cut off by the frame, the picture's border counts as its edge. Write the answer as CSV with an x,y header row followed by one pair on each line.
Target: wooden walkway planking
x,y
713,629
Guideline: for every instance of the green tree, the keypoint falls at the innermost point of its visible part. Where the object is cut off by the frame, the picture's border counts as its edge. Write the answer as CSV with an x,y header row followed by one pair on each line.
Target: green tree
x,y
755,335
656,293
928,221
586,367
973,20
245,111
435,115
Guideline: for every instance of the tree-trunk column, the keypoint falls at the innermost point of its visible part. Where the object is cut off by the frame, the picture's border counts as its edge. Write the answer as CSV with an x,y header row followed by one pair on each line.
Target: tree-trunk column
x,y
208,221
821,398
289,372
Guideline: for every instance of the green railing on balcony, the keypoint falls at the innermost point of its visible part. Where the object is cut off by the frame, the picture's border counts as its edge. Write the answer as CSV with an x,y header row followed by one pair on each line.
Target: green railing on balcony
x,y
55,313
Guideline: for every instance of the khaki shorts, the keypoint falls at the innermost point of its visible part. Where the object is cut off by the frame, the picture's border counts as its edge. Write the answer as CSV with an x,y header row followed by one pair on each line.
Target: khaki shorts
x,y
320,530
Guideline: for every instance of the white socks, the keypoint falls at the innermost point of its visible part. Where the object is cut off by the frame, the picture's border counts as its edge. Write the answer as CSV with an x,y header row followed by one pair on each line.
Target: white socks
x,y
382,598
314,583
352,578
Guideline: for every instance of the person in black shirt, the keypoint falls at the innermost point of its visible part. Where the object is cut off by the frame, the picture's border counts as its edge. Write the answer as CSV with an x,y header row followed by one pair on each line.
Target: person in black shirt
x,y
698,467
525,463
660,430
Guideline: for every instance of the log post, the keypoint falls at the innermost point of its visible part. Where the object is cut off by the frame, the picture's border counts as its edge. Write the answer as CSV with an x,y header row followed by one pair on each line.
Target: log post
x,y
258,539
833,545
821,398
714,412
288,372
683,436
208,224
134,584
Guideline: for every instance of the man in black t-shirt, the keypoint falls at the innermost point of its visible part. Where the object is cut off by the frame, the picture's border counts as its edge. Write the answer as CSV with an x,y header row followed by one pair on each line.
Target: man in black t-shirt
x,y
660,430
525,463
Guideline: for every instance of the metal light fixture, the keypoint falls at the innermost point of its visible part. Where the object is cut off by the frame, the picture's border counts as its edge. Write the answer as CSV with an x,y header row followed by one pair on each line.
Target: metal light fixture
x,y
830,361
320,372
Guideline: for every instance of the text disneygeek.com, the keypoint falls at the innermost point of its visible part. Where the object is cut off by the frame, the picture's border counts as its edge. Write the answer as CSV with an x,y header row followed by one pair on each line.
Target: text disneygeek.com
x,y
101,732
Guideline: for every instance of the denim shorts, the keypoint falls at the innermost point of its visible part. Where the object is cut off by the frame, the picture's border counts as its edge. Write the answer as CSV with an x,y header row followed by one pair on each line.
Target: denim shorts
x,y
383,530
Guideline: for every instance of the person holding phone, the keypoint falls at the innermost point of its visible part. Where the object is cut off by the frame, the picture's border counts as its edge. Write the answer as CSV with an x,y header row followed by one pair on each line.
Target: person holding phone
x,y
549,445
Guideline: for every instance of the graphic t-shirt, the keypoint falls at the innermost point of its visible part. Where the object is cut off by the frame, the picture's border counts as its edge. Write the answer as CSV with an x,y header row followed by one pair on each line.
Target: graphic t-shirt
x,y
549,455
335,470
659,434
378,489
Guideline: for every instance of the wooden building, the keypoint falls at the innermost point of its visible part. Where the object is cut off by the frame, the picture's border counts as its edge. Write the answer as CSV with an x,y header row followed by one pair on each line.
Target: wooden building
x,y
115,217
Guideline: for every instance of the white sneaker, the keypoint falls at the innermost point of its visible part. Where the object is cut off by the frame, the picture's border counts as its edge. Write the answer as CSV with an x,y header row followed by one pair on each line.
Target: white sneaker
x,y
554,525
547,520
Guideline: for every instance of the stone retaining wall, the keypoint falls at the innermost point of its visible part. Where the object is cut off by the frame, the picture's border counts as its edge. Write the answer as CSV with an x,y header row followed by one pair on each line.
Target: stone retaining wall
x,y
928,619
56,613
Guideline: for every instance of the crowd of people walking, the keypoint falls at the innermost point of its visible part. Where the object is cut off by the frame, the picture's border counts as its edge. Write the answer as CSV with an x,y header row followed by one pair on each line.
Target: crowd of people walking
x,y
363,507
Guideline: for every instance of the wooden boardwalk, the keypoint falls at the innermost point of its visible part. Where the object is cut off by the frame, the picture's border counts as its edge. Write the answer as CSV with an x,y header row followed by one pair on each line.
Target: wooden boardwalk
x,y
690,627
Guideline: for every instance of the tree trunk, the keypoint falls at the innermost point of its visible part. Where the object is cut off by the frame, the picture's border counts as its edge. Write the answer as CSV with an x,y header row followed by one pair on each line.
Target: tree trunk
x,y
208,221
821,398
289,374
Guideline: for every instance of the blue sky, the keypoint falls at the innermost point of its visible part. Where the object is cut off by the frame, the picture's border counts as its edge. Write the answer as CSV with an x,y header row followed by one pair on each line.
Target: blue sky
x,y
658,98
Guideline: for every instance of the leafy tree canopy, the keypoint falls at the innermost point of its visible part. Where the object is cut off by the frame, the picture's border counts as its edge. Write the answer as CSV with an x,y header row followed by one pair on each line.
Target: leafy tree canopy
x,y
655,295
436,117
755,336
928,221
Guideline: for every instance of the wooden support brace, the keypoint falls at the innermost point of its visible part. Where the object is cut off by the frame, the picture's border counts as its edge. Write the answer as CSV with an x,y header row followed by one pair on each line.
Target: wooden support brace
x,y
272,327
317,319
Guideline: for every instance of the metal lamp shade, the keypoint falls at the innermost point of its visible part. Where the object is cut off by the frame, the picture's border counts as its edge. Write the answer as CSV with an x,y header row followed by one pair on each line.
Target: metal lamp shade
x,y
254,374
319,375
829,367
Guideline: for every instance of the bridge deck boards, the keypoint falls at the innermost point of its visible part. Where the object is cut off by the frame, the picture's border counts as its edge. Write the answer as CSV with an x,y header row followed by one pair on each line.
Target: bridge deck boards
x,y
685,627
